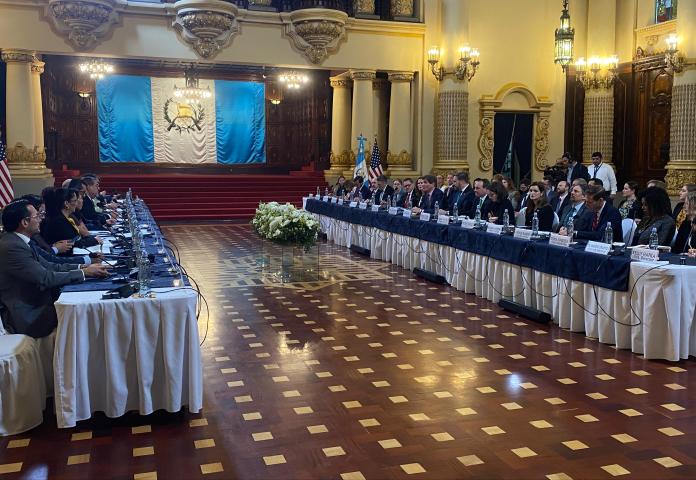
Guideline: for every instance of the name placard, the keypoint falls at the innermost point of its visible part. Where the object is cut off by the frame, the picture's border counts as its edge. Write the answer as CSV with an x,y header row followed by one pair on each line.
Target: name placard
x,y
559,240
494,228
406,213
363,206
393,210
326,198
334,200
468,224
340,201
375,208
645,255
523,233
425,217
443,219
353,204
599,248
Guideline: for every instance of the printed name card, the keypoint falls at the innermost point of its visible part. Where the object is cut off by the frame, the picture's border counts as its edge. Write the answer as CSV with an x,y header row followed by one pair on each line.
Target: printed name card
x,y
599,248
523,234
363,206
559,240
468,223
393,210
353,204
425,217
443,219
340,201
334,200
494,228
375,207
326,198
645,255
406,213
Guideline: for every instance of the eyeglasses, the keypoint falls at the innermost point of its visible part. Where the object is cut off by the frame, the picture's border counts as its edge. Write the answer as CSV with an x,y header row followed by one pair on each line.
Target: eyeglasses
x,y
36,215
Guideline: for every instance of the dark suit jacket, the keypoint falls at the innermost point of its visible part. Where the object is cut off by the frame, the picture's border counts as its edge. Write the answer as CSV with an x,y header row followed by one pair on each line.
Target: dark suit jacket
x,y
461,202
566,213
53,258
556,200
665,231
677,208
401,199
436,196
681,242
523,201
545,216
384,195
91,217
365,191
475,201
579,171
54,229
27,287
609,214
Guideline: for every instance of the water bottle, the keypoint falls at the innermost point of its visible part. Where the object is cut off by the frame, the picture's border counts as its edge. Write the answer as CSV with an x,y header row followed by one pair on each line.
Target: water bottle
x,y
477,216
144,276
654,240
456,213
570,228
437,208
609,234
318,192
506,220
535,225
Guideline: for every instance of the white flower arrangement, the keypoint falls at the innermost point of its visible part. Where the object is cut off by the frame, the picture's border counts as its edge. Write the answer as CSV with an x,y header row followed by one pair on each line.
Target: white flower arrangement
x,y
285,224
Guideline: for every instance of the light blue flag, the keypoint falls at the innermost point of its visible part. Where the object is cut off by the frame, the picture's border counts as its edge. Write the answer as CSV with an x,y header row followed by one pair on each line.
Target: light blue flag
x,y
360,167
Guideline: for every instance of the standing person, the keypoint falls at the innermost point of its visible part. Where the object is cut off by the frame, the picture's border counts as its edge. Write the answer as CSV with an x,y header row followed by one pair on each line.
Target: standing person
x,y
603,172
630,206
575,169
538,202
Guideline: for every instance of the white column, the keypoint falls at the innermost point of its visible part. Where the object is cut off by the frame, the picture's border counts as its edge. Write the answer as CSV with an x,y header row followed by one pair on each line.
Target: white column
x,y
340,128
25,144
399,155
363,110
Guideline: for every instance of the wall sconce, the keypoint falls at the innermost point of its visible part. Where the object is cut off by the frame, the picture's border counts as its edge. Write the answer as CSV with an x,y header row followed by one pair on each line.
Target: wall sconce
x,y
675,62
466,66
597,72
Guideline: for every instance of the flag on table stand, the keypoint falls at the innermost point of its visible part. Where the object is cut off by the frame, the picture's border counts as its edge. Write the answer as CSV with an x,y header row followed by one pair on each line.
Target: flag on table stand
x,y
375,169
6,191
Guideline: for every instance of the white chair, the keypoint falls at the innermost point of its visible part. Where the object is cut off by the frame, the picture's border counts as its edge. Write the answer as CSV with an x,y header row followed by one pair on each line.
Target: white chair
x,y
628,225
519,221
22,386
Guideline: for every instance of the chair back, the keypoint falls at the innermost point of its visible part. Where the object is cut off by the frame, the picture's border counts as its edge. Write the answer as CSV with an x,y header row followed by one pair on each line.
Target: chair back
x,y
628,225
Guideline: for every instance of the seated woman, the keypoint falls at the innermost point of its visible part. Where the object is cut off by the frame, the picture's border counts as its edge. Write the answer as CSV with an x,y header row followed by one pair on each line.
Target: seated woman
x,y
339,190
59,223
513,194
499,203
686,236
630,207
538,202
679,213
657,211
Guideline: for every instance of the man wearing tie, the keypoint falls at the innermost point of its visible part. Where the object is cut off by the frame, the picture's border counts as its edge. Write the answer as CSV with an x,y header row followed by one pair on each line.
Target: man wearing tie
x,y
384,192
562,199
459,197
593,223
577,205
431,196
408,197
480,197
603,172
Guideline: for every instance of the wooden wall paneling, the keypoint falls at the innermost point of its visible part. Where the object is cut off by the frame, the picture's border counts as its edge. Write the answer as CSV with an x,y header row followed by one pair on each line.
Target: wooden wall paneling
x,y
574,113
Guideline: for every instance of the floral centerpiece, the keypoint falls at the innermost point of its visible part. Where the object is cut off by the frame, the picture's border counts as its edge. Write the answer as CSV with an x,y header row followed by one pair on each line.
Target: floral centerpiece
x,y
285,224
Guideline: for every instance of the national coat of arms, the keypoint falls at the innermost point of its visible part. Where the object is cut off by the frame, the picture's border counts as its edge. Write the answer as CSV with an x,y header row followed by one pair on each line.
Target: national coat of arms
x,y
182,116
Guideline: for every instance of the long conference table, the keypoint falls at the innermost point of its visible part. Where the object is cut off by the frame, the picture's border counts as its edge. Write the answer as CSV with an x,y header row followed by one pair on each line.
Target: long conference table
x,y
649,308
132,354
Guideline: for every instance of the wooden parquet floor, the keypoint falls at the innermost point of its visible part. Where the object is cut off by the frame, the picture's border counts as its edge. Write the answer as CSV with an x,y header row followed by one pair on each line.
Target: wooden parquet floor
x,y
375,374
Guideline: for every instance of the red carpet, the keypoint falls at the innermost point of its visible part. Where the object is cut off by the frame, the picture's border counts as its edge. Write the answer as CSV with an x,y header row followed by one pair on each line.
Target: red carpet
x,y
213,197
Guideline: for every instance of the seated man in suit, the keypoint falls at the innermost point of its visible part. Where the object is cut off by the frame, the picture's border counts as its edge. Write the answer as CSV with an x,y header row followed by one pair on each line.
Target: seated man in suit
x,y
432,196
562,198
384,193
28,283
576,208
408,197
480,197
459,197
593,223
96,216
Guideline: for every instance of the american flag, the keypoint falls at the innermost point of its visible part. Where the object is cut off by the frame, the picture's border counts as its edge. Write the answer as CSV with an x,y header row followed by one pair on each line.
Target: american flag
x,y
6,191
375,169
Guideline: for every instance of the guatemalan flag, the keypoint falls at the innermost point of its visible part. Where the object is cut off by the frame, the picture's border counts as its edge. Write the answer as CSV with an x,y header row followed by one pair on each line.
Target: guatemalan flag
x,y
140,120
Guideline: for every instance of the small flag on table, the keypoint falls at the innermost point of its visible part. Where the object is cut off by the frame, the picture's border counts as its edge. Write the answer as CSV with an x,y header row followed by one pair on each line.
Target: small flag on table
x,y
375,169
6,190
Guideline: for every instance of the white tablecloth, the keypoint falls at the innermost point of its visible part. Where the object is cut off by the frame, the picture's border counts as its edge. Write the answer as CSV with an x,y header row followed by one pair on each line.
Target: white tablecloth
x,y
656,321
114,356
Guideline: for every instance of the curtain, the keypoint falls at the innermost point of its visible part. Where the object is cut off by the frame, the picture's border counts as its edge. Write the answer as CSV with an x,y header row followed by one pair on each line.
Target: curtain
x,y
241,124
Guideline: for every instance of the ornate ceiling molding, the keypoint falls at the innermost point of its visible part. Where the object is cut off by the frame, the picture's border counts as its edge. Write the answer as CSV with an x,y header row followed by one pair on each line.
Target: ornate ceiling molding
x,y
84,22
316,32
206,25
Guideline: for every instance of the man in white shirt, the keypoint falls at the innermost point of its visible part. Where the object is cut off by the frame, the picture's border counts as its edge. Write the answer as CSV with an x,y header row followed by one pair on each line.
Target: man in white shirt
x,y
603,172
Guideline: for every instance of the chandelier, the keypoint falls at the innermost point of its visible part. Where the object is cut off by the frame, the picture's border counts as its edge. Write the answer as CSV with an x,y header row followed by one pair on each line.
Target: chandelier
x,y
597,72
96,69
564,37
466,67
293,80
192,93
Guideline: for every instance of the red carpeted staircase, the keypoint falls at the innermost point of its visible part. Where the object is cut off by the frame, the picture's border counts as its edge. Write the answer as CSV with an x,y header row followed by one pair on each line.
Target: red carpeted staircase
x,y
214,197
